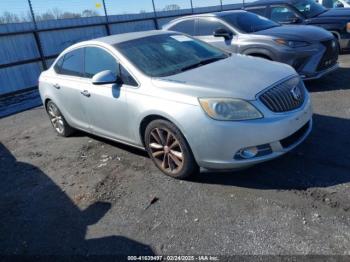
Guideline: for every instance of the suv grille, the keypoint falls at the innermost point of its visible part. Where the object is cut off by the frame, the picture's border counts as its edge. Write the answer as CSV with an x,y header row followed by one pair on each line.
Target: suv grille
x,y
286,96
330,56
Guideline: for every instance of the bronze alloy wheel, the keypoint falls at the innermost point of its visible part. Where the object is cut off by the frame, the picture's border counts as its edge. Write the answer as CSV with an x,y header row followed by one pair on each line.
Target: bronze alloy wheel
x,y
169,150
166,150
57,120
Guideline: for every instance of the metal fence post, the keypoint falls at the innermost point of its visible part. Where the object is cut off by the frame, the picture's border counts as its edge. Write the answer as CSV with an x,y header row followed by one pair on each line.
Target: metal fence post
x,y
106,16
36,36
155,16
192,7
221,5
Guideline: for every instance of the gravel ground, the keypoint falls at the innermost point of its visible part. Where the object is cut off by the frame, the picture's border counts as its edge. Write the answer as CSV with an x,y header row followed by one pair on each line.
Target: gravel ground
x,y
85,195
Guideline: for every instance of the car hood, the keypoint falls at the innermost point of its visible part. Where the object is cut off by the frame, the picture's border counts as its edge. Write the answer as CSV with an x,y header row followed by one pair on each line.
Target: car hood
x,y
297,32
336,12
238,76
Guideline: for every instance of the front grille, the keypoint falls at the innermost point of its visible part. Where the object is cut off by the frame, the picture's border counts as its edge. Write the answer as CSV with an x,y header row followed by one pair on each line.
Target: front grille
x,y
295,137
286,96
330,57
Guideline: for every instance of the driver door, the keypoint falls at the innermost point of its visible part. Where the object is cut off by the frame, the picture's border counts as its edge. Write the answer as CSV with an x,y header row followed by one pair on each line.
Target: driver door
x,y
105,105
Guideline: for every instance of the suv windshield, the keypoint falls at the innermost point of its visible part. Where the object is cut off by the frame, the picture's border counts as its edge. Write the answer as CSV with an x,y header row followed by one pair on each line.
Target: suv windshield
x,y
249,22
309,8
168,54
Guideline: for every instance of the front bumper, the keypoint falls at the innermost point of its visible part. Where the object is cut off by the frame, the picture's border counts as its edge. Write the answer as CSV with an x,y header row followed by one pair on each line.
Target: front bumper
x,y
320,74
307,61
217,144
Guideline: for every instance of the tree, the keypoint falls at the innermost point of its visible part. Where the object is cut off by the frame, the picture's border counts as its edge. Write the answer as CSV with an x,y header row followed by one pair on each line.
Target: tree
x,y
172,7
89,13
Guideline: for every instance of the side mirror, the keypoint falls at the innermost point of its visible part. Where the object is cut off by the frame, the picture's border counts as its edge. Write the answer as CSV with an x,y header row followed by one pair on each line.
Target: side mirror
x,y
221,32
339,5
104,77
296,20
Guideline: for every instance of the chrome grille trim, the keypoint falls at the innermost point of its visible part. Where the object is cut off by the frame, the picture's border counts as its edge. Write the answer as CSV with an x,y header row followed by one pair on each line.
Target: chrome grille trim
x,y
280,98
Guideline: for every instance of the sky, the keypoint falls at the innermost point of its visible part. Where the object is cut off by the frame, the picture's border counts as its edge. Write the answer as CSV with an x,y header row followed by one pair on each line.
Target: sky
x,y
113,6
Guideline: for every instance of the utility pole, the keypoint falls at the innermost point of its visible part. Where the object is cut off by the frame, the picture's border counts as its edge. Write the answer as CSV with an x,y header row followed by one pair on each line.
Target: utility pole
x,y
36,36
155,15
106,15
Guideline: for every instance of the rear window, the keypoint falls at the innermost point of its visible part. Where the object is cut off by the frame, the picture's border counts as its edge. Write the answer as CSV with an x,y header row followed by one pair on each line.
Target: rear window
x,y
186,27
73,63
248,22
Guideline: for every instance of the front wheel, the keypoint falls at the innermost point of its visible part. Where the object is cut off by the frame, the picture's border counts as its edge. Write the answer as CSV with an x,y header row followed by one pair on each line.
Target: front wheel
x,y
169,150
57,120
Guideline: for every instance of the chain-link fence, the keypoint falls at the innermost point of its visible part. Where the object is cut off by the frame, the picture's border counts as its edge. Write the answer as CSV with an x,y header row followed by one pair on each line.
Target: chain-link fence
x,y
34,32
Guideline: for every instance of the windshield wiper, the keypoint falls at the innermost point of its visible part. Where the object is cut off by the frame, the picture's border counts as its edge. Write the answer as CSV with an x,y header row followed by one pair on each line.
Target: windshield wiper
x,y
202,62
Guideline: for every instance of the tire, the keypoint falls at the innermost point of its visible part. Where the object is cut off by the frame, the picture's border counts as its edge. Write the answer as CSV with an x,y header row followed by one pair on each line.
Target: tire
x,y
169,150
58,121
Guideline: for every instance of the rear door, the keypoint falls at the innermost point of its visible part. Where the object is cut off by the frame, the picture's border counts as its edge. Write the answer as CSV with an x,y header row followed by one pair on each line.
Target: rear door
x,y
67,86
205,28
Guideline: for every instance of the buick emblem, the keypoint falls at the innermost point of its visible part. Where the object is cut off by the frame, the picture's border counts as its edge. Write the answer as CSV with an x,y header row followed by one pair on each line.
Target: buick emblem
x,y
296,93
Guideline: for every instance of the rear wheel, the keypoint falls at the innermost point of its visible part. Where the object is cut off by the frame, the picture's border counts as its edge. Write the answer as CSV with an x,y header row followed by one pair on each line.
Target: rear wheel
x,y
57,120
169,150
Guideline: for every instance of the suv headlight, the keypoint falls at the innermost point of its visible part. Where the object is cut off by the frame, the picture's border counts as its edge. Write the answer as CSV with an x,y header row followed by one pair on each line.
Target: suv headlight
x,y
229,109
291,43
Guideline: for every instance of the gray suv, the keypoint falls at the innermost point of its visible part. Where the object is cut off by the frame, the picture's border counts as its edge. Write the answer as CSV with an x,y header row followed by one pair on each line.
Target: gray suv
x,y
250,34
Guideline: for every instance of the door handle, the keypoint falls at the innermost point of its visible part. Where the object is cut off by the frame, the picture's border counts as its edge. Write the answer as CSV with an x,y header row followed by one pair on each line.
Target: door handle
x,y
57,86
85,93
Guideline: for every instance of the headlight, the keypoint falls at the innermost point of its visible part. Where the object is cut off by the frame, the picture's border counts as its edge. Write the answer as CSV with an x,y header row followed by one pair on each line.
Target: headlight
x,y
291,43
348,27
229,109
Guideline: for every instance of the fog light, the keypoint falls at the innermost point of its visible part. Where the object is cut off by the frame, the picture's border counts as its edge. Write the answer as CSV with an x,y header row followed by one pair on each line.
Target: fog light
x,y
249,152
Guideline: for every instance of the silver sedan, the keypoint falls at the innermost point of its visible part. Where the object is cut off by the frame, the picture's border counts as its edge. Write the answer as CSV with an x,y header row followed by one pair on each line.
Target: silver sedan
x,y
311,50
187,103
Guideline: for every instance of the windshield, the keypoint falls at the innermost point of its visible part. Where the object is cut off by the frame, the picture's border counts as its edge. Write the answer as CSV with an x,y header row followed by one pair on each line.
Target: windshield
x,y
309,8
249,22
168,54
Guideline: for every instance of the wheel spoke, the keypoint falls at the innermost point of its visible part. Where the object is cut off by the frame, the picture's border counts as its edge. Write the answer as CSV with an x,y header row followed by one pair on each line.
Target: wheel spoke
x,y
171,163
168,136
158,153
156,137
175,160
156,146
164,161
177,154
161,136
54,120
51,113
174,144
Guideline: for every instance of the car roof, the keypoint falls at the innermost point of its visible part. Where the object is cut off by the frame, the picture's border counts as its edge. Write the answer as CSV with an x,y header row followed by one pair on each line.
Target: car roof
x,y
214,14
119,38
267,2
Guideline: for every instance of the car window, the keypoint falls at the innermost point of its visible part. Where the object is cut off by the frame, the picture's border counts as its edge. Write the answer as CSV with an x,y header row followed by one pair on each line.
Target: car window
x,y
208,26
98,60
282,14
247,22
126,78
309,8
186,27
258,10
58,66
72,64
